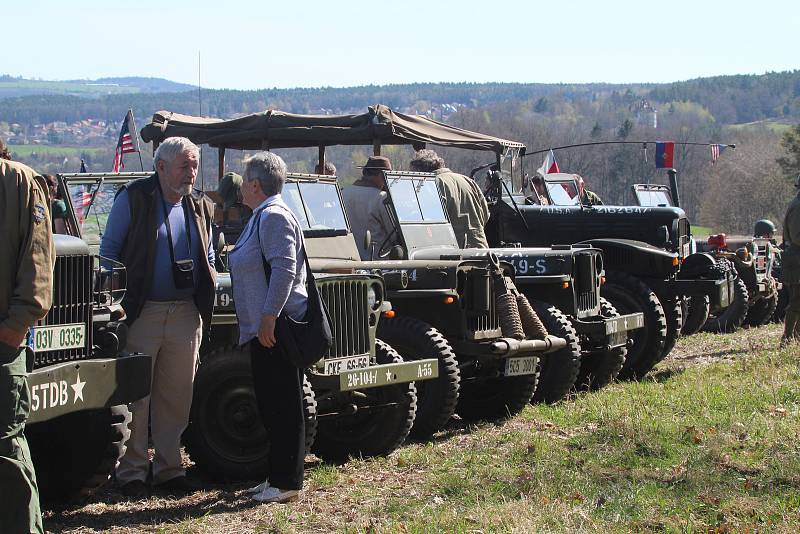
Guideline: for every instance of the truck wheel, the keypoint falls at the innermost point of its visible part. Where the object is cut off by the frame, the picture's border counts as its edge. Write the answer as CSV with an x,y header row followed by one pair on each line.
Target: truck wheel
x,y
780,308
673,313
731,318
761,312
496,397
436,399
630,295
598,369
225,437
558,370
77,453
382,420
696,314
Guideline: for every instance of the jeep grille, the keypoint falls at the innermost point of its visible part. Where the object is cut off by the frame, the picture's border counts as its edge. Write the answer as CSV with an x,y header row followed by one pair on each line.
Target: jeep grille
x,y
480,323
586,275
347,305
72,304
683,235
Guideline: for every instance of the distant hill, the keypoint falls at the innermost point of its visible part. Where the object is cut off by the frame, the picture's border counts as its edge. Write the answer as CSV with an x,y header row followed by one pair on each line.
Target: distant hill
x,y
11,86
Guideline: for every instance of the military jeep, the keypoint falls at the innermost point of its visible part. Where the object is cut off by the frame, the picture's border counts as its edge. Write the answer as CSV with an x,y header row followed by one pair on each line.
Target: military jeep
x,y
82,379
360,399
646,251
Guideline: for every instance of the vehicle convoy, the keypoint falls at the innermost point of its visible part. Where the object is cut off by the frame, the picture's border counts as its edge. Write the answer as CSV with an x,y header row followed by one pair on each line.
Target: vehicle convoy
x,y
381,126
360,399
82,379
649,268
756,290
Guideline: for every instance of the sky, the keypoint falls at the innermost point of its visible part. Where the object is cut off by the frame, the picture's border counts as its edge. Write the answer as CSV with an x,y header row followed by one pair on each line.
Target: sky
x,y
249,44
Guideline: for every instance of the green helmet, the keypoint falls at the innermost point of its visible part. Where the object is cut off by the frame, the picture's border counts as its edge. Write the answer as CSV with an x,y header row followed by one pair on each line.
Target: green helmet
x,y
229,187
763,228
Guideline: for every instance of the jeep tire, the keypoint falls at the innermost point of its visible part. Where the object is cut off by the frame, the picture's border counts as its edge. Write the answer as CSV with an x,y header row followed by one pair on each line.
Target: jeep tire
x,y
762,310
731,318
599,368
558,370
225,437
437,398
630,295
696,309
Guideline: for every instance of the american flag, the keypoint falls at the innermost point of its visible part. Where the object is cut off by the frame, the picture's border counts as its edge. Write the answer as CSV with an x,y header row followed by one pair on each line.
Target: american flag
x,y
128,142
716,150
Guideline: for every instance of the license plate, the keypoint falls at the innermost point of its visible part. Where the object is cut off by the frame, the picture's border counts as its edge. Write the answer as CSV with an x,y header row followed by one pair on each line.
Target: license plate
x,y
617,339
339,365
761,263
389,374
525,365
623,323
61,337
686,250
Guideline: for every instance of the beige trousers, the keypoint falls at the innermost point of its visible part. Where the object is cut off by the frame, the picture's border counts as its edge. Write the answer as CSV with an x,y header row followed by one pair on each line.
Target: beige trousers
x,y
171,333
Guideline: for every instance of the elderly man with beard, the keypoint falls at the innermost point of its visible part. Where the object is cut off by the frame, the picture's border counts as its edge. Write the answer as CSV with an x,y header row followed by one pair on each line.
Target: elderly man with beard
x,y
160,229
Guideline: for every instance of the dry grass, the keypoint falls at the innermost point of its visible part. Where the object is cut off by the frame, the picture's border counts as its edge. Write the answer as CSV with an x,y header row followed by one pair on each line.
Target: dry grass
x,y
709,442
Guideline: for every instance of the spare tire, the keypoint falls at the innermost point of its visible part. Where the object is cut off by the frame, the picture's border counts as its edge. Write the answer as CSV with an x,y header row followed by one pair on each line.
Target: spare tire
x,y
731,318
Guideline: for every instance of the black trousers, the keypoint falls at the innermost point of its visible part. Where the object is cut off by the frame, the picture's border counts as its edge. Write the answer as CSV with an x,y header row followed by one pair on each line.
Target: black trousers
x,y
279,393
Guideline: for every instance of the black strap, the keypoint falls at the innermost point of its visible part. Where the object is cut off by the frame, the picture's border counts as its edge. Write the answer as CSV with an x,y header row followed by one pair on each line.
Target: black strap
x,y
169,229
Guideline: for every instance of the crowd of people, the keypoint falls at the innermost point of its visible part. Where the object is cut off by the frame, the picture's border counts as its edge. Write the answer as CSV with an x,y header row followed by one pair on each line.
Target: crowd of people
x,y
160,228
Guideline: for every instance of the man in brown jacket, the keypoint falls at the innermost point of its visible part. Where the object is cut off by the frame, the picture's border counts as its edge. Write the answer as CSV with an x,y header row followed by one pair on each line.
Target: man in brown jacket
x,y
25,297
464,200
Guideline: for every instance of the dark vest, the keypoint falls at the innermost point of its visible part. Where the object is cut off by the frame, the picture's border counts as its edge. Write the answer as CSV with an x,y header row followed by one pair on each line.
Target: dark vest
x,y
138,251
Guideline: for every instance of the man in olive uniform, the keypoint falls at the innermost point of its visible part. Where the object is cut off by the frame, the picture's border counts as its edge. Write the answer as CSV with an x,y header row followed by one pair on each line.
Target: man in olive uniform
x,y
588,198
791,268
25,297
463,198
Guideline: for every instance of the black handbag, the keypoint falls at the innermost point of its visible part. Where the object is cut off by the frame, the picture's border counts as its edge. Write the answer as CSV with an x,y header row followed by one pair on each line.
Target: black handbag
x,y
303,343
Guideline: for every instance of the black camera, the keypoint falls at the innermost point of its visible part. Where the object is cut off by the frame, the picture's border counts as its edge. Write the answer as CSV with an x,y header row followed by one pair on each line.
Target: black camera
x,y
183,274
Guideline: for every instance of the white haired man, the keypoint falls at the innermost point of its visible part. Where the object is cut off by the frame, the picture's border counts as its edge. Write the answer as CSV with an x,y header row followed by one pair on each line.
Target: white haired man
x,y
160,229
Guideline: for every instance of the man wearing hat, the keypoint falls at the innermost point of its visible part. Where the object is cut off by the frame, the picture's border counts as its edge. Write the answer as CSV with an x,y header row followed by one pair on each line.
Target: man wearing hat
x,y
364,204
791,268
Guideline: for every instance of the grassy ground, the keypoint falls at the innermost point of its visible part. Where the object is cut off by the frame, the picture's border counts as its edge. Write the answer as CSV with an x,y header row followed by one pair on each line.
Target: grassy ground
x,y
709,442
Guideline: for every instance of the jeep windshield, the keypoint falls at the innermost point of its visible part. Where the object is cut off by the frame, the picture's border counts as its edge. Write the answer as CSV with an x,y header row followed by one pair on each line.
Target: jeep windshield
x,y
90,200
563,192
316,206
416,199
652,195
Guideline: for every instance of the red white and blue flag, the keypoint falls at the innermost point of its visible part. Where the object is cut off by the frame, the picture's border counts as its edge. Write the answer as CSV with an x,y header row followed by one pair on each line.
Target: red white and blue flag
x,y
549,165
665,150
716,152
127,143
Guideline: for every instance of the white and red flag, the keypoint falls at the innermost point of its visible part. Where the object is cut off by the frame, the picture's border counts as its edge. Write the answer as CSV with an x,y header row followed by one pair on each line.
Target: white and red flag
x,y
549,165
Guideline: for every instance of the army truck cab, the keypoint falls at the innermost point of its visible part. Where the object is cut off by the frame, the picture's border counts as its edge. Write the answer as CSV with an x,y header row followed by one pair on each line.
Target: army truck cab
x,y
82,378
359,399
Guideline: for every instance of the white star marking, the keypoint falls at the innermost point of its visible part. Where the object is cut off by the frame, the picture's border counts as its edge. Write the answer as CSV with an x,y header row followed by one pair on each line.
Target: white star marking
x,y
77,387
388,376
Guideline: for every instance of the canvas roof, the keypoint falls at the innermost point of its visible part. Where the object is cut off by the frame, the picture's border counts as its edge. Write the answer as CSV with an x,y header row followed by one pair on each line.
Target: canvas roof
x,y
277,129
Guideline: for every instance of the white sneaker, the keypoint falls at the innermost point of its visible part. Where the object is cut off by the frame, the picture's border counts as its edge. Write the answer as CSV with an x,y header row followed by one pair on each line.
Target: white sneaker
x,y
258,489
271,494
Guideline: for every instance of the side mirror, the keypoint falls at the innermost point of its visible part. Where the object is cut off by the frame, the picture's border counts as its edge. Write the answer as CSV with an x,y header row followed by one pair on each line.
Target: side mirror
x,y
397,253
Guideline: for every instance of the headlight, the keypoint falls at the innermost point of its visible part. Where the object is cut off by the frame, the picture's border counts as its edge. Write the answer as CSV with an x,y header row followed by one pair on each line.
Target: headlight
x,y
372,298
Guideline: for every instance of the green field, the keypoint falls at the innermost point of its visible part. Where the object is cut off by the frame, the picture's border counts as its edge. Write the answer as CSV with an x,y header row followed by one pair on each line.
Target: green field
x,y
25,151
708,442
773,125
701,231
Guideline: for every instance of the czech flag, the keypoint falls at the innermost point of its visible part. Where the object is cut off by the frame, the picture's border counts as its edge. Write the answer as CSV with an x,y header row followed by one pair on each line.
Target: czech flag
x,y
549,165
665,150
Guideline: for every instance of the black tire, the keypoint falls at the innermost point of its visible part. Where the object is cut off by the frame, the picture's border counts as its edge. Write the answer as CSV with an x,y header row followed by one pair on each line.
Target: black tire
x,y
496,397
630,295
436,399
225,437
762,310
77,453
673,313
558,370
369,432
780,309
696,314
599,368
731,318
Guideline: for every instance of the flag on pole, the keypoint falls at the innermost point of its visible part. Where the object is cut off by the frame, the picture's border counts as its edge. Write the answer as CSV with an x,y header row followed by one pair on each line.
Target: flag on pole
x,y
665,150
549,165
716,152
128,142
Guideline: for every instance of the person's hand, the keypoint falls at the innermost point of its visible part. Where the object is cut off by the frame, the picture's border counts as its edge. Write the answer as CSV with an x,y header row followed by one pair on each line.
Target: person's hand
x,y
266,332
11,337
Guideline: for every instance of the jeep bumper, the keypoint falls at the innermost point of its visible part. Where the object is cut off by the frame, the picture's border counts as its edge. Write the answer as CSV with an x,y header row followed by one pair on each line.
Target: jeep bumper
x,y
719,291
609,333
376,376
88,385
505,347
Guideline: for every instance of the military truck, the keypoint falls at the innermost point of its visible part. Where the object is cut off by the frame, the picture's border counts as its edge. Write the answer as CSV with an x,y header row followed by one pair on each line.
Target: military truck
x,y
646,252
82,379
359,400
755,294
381,126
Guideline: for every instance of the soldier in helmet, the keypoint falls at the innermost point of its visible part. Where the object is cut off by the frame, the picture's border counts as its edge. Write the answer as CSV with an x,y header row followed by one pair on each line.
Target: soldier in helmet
x,y
764,228
791,268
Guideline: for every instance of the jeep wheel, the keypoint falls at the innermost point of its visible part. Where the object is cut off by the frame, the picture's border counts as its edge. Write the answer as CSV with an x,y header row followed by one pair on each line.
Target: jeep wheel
x,y
630,295
780,308
558,370
225,437
762,310
436,399
496,397
76,453
382,420
731,318
598,369
695,315
673,313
